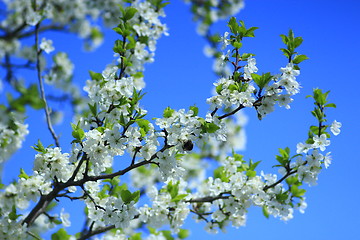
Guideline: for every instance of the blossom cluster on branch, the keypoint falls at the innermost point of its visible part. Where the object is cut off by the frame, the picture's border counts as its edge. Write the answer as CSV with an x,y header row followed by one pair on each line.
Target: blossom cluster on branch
x,y
166,157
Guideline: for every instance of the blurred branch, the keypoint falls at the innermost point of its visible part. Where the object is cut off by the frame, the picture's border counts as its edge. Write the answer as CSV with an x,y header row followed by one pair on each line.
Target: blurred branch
x,y
42,89
95,232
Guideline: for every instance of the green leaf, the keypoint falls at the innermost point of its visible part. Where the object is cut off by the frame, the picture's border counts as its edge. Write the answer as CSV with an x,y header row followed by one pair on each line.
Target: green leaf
x,y
291,35
252,165
56,221
167,234
129,13
173,189
284,39
101,129
262,80
299,58
138,75
221,174
78,133
284,152
162,5
265,211
135,196
286,52
219,88
12,215
23,174
60,235
333,105
236,44
195,110
256,78
126,196
119,30
314,129
281,197
144,126
136,236
250,32
39,147
209,127
179,197
233,25
93,109
51,206
183,233
292,180
33,98
168,112
250,173
245,56
297,192
96,76
297,42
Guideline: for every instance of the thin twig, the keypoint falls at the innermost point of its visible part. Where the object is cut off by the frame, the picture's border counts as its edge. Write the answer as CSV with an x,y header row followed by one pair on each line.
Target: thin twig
x,y
232,112
33,235
41,85
208,199
280,180
96,231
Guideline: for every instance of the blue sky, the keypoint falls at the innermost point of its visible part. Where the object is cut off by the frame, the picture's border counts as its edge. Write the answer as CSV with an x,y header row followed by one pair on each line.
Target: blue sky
x,y
181,76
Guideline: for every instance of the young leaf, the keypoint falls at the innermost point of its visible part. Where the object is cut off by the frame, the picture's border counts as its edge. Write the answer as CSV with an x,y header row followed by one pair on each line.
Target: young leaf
x,y
265,211
299,58
126,196
95,76
168,112
23,174
39,147
183,233
60,235
195,110
129,13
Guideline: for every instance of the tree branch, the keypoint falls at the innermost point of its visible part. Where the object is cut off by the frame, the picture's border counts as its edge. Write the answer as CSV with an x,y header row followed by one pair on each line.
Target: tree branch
x,y
41,85
208,198
96,231
232,112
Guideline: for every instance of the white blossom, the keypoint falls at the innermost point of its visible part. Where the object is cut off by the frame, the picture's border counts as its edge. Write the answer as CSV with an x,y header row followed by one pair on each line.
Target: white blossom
x,y
47,45
335,127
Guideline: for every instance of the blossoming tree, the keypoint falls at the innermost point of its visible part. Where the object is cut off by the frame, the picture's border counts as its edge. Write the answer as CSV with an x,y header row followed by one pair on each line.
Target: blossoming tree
x,y
166,157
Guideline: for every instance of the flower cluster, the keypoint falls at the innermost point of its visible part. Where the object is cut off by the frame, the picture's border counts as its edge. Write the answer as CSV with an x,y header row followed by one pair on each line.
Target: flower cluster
x,y
166,207
12,133
111,210
208,12
113,129
227,96
52,164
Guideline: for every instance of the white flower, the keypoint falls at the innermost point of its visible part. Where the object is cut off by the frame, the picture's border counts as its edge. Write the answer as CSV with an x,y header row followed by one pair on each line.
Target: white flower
x,y
302,148
212,228
335,127
288,79
47,45
285,100
218,215
250,68
33,18
289,71
327,159
225,41
321,142
65,218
